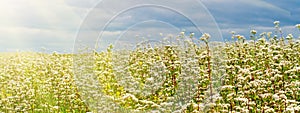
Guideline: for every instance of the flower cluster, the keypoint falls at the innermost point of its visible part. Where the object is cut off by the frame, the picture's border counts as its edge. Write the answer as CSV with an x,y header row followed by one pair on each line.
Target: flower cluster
x,y
261,75
38,82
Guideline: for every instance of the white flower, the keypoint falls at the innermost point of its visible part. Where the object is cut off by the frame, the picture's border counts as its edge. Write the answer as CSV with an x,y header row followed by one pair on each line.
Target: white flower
x,y
232,32
276,97
253,32
283,96
205,37
270,110
245,100
227,87
150,79
289,36
297,108
281,92
182,33
56,107
161,34
276,22
278,76
127,95
298,26
240,37
212,104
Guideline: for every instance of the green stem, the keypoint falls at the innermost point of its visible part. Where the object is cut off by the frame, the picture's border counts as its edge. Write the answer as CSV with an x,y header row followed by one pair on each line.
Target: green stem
x,y
209,71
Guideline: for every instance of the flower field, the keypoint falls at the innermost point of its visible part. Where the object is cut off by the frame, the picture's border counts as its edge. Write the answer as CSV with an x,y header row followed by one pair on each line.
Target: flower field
x,y
259,75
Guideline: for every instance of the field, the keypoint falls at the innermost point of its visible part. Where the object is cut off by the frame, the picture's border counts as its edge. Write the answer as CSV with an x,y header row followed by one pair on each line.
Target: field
x,y
259,75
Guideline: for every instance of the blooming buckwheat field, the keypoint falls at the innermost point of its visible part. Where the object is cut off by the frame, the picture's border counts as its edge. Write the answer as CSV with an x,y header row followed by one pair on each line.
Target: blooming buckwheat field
x,y
187,74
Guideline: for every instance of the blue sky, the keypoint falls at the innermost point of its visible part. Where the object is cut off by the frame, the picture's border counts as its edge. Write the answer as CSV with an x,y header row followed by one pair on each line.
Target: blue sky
x,y
53,25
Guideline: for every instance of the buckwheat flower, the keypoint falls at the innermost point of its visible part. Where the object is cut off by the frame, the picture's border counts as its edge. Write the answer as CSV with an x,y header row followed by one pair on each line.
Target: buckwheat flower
x,y
262,35
297,69
240,37
182,33
270,110
289,36
205,36
252,103
161,34
224,111
298,26
212,104
192,35
150,79
245,100
194,105
281,92
278,76
297,108
290,109
276,23
253,32
231,95
276,97
56,107
282,96
232,32
291,101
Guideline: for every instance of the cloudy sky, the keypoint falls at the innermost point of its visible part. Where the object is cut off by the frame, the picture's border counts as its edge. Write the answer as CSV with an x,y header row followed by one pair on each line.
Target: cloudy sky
x,y
58,25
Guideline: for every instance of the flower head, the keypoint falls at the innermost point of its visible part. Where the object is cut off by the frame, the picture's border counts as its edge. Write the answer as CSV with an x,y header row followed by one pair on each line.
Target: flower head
x,y
276,97
182,33
232,32
192,35
253,32
161,34
240,37
205,37
289,36
276,23
298,26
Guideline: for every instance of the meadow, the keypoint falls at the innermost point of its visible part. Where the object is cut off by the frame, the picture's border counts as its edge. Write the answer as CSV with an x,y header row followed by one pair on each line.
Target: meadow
x,y
260,74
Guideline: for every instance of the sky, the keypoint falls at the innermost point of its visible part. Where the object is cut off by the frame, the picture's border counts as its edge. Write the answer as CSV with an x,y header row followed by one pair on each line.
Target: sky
x,y
61,25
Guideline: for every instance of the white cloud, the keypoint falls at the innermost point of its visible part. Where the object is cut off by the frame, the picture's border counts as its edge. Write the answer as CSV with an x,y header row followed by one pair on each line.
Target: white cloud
x,y
54,23
35,24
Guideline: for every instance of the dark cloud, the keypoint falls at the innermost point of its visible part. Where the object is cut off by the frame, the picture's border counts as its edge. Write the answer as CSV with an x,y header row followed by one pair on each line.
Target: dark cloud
x,y
253,14
131,17
292,6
